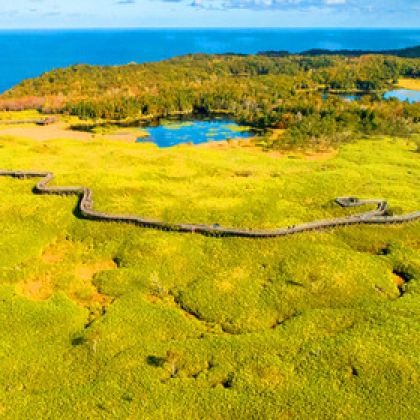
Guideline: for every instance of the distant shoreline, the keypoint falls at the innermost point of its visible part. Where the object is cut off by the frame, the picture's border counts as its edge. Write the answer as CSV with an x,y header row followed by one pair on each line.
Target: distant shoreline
x,y
28,53
410,52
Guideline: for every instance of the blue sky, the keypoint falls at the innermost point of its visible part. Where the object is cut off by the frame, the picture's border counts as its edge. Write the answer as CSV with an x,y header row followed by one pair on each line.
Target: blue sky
x,y
208,13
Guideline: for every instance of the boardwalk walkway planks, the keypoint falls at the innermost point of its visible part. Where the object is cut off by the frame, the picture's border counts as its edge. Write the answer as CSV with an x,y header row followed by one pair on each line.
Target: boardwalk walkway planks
x,y
85,207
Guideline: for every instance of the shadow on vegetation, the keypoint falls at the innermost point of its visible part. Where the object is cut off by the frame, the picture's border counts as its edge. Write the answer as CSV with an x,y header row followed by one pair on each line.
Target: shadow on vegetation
x,y
294,283
405,278
78,341
228,382
155,361
76,210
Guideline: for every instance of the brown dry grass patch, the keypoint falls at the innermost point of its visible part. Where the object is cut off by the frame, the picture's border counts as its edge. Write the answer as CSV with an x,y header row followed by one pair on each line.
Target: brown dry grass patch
x,y
36,289
88,271
61,131
54,253
324,155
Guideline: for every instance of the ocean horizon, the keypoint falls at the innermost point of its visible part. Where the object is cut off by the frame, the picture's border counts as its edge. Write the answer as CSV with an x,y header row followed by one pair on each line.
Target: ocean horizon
x,y
28,53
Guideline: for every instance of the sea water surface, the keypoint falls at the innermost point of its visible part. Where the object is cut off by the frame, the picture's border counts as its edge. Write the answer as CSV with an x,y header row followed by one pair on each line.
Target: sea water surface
x,y
28,53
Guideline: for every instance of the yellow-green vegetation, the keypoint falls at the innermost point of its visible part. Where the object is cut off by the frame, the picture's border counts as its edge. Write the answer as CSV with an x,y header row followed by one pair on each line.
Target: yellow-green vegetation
x,y
413,84
175,125
20,115
113,321
110,129
237,128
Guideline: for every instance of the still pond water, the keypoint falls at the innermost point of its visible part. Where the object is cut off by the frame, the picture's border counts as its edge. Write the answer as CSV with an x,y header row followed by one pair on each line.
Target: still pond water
x,y
411,96
171,133
404,95
195,132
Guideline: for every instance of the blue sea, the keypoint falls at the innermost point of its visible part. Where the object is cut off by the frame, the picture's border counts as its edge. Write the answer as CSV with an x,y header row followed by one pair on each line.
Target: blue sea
x,y
29,53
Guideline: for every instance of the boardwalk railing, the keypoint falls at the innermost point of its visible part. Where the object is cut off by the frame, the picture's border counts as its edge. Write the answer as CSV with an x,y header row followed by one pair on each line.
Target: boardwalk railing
x,y
85,206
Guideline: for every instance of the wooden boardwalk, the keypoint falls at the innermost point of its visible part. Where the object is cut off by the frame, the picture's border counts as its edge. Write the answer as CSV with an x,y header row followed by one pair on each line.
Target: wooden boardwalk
x,y
42,121
85,207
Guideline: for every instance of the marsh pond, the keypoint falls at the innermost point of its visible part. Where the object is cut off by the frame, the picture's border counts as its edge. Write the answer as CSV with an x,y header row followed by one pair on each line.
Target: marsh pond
x,y
411,96
172,133
168,133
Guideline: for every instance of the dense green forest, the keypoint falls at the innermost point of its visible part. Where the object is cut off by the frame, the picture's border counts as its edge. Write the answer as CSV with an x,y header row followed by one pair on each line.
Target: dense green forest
x,y
260,90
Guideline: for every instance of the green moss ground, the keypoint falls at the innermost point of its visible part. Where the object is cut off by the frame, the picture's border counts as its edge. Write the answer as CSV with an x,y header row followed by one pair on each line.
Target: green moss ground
x,y
307,326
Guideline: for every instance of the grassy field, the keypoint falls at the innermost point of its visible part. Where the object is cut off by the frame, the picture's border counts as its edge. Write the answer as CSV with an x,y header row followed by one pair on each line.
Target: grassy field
x,y
21,115
413,84
113,321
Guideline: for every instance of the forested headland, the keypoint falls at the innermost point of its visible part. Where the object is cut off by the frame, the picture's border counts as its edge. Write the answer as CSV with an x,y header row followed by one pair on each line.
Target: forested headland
x,y
410,52
267,91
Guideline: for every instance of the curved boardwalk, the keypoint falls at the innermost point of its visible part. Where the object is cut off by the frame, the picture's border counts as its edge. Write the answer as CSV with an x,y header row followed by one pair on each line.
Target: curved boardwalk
x,y
85,207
